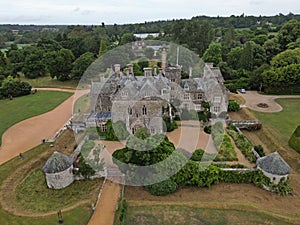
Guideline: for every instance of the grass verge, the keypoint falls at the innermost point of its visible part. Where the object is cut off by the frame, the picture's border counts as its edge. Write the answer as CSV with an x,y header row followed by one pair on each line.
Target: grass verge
x,y
48,82
282,124
175,214
21,108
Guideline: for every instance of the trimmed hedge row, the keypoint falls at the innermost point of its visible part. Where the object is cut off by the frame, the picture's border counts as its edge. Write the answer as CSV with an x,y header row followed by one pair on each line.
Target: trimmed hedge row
x,y
294,141
244,145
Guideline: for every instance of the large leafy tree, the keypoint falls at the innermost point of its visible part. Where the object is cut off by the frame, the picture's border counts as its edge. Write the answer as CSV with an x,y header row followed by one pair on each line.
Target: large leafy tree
x,y
14,87
234,56
59,64
81,64
286,58
284,74
197,36
34,65
290,32
213,54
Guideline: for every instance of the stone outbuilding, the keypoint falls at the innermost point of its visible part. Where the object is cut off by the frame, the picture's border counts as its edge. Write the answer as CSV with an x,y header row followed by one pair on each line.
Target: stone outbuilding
x,y
274,167
59,171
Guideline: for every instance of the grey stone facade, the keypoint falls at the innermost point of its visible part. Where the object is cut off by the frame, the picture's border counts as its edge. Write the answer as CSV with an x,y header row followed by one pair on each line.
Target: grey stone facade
x,y
59,171
138,100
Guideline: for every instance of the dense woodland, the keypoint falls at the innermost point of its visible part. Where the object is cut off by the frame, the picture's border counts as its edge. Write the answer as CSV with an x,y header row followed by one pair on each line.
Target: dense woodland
x,y
259,53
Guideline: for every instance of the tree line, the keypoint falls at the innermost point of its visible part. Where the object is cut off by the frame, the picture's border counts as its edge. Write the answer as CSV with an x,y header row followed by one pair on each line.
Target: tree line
x,y
253,52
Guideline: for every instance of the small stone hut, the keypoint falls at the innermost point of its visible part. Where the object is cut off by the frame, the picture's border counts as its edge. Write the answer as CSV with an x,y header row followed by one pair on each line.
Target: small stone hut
x,y
59,171
274,167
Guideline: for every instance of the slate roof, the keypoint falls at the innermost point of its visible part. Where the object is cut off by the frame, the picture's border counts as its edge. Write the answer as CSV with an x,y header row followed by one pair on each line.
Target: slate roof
x,y
57,163
274,164
100,116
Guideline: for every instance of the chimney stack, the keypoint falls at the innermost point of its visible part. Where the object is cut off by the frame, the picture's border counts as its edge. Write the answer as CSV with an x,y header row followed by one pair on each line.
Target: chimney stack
x,y
130,68
148,72
117,69
190,72
164,60
155,70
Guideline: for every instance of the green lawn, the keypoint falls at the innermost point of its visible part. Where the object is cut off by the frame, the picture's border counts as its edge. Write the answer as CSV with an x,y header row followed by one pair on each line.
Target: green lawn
x,y
78,216
181,215
33,194
282,124
47,81
21,108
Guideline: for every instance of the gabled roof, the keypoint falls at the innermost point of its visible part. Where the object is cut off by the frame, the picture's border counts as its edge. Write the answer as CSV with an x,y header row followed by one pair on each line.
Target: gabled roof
x,y
57,163
274,164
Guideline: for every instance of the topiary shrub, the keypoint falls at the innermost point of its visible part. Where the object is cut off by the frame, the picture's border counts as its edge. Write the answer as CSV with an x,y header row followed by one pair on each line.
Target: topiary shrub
x,y
207,129
294,141
163,188
197,155
233,106
260,150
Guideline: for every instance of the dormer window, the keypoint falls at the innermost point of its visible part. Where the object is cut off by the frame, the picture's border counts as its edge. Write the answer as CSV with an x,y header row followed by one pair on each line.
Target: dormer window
x,y
186,87
124,94
199,96
147,94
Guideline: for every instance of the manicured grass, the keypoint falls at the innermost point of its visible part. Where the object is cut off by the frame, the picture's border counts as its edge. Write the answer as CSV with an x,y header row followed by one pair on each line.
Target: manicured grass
x,y
33,194
47,81
282,124
83,104
172,215
21,108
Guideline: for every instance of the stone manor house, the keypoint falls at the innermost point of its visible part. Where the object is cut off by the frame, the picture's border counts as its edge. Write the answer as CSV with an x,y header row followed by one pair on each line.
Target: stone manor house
x,y
139,101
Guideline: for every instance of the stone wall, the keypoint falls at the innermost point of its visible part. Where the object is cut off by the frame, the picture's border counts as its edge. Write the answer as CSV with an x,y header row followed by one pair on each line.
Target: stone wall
x,y
274,178
60,180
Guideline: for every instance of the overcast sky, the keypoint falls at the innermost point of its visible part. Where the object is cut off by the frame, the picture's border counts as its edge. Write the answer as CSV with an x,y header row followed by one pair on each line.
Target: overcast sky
x,y
133,11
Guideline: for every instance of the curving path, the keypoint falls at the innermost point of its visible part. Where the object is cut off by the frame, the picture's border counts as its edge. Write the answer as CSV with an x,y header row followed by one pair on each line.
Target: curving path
x,y
27,134
253,98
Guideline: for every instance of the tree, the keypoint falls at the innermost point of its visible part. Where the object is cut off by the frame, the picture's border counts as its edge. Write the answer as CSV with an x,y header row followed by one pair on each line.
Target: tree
x,y
127,38
290,32
59,64
234,57
163,188
149,52
5,66
103,46
294,45
81,64
286,58
247,57
229,39
213,54
233,106
14,87
33,65
283,79
272,48
260,39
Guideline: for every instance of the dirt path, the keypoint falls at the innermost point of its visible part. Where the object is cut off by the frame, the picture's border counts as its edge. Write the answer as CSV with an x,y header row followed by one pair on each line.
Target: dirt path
x,y
253,98
29,133
105,212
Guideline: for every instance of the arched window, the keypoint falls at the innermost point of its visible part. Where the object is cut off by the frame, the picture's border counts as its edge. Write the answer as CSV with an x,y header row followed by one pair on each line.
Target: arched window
x,y
144,110
129,110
